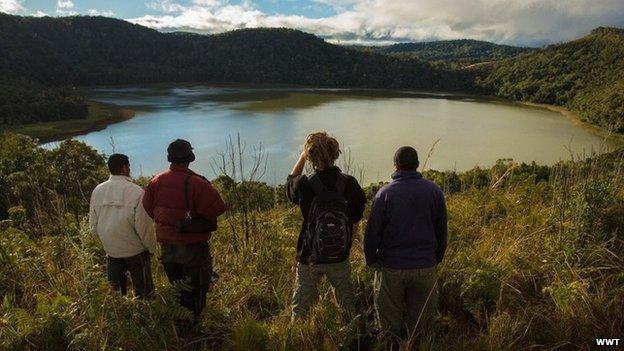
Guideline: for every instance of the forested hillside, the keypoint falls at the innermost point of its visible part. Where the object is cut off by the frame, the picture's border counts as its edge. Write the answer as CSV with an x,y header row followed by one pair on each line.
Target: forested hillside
x,y
463,51
585,75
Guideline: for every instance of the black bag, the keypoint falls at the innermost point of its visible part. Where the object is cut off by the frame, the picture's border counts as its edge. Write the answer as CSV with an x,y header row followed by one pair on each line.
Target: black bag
x,y
190,224
328,234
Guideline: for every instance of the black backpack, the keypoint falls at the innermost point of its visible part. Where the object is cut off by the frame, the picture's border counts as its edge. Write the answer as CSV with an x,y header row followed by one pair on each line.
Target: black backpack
x,y
328,234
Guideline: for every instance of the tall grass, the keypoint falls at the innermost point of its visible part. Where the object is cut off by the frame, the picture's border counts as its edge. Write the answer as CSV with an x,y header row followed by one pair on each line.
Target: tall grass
x,y
535,261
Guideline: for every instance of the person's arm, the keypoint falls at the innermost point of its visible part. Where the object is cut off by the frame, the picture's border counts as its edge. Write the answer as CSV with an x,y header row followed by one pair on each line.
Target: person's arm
x,y
292,183
297,169
374,229
440,227
148,200
93,216
144,227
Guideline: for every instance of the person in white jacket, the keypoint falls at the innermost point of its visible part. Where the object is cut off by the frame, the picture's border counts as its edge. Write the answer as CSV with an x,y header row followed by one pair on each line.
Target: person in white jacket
x,y
117,217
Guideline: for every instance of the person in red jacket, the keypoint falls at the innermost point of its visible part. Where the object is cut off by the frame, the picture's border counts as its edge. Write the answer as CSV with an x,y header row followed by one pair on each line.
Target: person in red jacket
x,y
185,256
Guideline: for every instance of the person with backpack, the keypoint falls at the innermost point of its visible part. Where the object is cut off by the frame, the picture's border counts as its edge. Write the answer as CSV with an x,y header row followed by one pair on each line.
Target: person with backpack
x,y
332,203
185,207
405,240
117,217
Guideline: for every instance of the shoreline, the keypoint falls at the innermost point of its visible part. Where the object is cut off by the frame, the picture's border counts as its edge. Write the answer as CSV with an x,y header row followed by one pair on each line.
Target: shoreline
x,y
100,116
578,120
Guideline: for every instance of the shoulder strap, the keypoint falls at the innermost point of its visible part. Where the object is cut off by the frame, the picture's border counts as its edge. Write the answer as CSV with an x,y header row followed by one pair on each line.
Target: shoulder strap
x,y
186,196
317,184
341,183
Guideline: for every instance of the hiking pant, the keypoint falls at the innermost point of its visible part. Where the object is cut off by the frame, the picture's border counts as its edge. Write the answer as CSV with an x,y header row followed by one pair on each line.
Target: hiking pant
x,y
306,286
406,300
140,272
190,264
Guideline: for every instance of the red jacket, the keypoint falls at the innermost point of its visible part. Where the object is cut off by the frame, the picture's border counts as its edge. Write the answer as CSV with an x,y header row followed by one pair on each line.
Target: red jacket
x,y
164,202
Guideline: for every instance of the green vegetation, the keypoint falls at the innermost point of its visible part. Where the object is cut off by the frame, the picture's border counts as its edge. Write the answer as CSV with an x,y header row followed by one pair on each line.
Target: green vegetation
x,y
22,101
585,75
463,51
98,51
535,261
98,117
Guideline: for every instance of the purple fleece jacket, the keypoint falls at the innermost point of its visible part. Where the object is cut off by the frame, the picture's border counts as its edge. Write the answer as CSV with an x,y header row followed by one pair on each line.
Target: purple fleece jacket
x,y
407,225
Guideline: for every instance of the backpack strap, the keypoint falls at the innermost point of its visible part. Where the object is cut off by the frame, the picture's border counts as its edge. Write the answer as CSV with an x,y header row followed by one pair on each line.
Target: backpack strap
x,y
187,202
317,184
186,196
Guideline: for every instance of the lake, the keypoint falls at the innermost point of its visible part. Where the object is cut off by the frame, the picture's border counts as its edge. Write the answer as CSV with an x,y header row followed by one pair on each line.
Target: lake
x,y
458,132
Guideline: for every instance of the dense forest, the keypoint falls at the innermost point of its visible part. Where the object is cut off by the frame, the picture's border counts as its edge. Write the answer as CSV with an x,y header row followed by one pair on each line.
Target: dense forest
x,y
462,51
534,262
585,75
23,101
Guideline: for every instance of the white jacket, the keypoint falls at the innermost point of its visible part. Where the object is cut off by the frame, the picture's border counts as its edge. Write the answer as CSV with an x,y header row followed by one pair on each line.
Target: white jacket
x,y
117,216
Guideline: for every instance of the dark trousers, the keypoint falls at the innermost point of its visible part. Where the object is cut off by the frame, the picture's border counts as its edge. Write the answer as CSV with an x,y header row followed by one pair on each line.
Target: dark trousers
x,y
190,264
140,272
406,300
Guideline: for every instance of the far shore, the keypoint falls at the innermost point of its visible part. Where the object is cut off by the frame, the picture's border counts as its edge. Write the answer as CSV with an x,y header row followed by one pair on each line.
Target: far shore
x,y
100,116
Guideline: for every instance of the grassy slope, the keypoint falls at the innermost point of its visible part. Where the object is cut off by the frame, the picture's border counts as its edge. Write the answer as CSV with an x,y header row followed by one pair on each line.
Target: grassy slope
x,y
530,265
100,115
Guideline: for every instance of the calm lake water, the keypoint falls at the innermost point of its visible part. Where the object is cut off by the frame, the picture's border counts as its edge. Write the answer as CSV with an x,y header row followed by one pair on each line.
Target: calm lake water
x,y
370,125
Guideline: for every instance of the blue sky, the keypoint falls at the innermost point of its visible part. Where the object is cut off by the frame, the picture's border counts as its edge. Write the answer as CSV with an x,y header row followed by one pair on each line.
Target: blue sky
x,y
514,22
138,8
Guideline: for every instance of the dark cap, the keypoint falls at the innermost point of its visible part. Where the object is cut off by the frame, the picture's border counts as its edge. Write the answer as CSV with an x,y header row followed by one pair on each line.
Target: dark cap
x,y
406,158
180,151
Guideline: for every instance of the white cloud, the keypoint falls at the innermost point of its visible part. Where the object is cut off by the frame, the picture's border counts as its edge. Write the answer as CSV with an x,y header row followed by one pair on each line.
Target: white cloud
x,y
64,4
65,8
39,14
166,6
105,13
11,6
208,3
520,22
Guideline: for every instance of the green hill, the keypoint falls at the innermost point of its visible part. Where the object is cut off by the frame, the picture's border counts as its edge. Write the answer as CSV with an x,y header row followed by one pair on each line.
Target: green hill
x,y
585,75
97,50
460,51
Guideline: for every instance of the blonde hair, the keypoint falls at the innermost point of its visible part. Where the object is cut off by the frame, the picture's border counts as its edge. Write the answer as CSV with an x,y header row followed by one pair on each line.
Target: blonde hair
x,y
321,150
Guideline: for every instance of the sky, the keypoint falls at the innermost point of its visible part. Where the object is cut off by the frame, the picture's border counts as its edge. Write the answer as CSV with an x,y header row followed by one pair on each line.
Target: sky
x,y
375,22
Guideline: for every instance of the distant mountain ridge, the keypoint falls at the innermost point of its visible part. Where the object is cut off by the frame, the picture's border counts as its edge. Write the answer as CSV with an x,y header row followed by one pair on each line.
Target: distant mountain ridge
x,y
461,50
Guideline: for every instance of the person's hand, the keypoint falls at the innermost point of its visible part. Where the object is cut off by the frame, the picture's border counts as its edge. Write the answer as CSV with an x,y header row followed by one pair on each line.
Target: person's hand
x,y
303,155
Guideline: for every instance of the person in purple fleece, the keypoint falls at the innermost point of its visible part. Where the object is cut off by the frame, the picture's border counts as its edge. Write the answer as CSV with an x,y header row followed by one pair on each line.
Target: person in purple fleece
x,y
405,240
